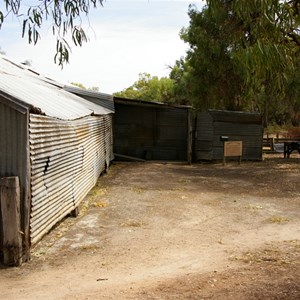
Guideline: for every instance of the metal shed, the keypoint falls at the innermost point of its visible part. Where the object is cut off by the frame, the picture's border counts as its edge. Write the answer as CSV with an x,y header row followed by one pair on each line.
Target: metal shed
x,y
56,143
237,126
152,130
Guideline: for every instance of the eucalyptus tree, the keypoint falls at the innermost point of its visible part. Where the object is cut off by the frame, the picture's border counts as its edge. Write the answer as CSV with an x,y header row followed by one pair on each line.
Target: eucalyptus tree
x,y
244,54
267,48
64,16
207,74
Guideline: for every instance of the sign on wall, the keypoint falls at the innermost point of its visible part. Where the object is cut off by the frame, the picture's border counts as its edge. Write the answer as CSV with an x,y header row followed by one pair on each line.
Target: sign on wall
x,y
233,148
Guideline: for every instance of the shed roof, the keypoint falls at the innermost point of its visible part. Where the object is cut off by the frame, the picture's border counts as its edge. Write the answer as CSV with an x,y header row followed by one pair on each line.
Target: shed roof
x,y
236,116
42,95
145,103
105,100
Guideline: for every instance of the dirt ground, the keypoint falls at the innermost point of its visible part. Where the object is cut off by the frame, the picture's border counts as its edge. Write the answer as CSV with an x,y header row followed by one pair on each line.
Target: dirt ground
x,y
174,231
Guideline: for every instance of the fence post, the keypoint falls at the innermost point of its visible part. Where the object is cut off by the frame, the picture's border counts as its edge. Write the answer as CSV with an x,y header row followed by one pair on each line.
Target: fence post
x,y
189,136
272,144
10,215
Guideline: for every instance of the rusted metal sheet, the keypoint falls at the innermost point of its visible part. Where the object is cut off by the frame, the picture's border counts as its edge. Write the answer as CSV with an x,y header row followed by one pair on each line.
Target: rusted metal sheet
x,y
67,158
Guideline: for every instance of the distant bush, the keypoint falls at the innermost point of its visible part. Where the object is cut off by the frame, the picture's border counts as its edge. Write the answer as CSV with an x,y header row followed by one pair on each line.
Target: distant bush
x,y
293,133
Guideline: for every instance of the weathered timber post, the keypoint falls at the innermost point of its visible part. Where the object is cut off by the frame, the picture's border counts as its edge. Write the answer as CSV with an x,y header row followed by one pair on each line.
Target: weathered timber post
x,y
10,215
75,212
189,137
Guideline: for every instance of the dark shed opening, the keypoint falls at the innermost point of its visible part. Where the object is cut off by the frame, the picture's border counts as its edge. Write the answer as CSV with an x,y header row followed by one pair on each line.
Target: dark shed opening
x,y
152,131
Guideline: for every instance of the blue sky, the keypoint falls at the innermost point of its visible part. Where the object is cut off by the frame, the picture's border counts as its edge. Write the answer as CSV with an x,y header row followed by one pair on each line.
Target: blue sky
x,y
125,38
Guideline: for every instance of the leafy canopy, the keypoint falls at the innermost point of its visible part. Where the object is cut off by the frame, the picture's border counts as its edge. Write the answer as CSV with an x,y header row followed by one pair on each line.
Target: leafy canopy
x,y
244,55
150,88
65,17
82,86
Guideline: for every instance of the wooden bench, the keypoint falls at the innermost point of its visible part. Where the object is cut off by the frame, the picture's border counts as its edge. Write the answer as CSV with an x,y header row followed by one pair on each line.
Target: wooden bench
x,y
289,147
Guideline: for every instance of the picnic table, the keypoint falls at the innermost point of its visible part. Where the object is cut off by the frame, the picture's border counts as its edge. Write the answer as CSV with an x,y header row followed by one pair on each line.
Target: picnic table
x,y
289,147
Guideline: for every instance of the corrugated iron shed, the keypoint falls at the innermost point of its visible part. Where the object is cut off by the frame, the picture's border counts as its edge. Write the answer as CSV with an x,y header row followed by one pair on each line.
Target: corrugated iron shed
x,y
56,142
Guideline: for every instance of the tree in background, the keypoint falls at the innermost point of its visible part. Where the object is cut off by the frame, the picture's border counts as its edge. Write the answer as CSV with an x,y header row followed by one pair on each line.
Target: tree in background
x,y
65,17
243,56
150,88
81,86
207,74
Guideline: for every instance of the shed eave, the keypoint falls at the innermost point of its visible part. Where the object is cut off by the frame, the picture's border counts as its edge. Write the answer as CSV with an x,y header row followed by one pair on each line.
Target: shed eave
x,y
14,103
137,102
80,91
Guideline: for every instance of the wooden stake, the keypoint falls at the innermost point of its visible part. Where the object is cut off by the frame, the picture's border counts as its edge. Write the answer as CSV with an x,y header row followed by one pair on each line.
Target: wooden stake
x,y
75,212
10,216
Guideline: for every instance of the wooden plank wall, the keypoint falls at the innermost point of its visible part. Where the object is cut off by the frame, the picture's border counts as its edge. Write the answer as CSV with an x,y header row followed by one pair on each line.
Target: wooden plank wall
x,y
238,126
151,132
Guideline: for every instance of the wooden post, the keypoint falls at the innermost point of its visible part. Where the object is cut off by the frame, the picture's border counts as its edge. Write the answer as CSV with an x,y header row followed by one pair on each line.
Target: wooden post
x,y
75,212
189,136
10,215
272,144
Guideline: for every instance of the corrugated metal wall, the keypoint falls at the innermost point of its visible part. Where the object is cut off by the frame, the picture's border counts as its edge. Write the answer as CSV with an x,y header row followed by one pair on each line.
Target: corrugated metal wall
x,y
151,132
238,126
13,153
67,158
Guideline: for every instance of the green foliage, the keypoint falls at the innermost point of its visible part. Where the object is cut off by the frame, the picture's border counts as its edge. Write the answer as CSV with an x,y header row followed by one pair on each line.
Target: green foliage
x,y
65,17
208,72
244,55
150,88
81,86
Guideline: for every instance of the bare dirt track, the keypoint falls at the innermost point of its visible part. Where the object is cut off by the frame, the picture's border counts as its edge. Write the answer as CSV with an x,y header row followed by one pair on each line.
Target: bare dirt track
x,y
173,231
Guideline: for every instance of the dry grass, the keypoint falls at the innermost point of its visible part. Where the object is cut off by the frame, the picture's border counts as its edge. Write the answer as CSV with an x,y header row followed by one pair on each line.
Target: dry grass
x,y
133,223
278,220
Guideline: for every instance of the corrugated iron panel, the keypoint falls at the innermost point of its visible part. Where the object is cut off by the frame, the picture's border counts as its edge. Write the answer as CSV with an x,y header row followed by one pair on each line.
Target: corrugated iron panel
x,y
104,100
44,98
13,137
109,139
14,157
67,158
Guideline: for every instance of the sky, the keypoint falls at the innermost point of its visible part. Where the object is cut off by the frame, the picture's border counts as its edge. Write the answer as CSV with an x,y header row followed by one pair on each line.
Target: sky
x,y
126,38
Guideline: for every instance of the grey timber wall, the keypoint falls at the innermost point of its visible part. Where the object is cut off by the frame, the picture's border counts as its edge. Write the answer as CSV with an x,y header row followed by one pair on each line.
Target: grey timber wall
x,y
150,131
238,126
